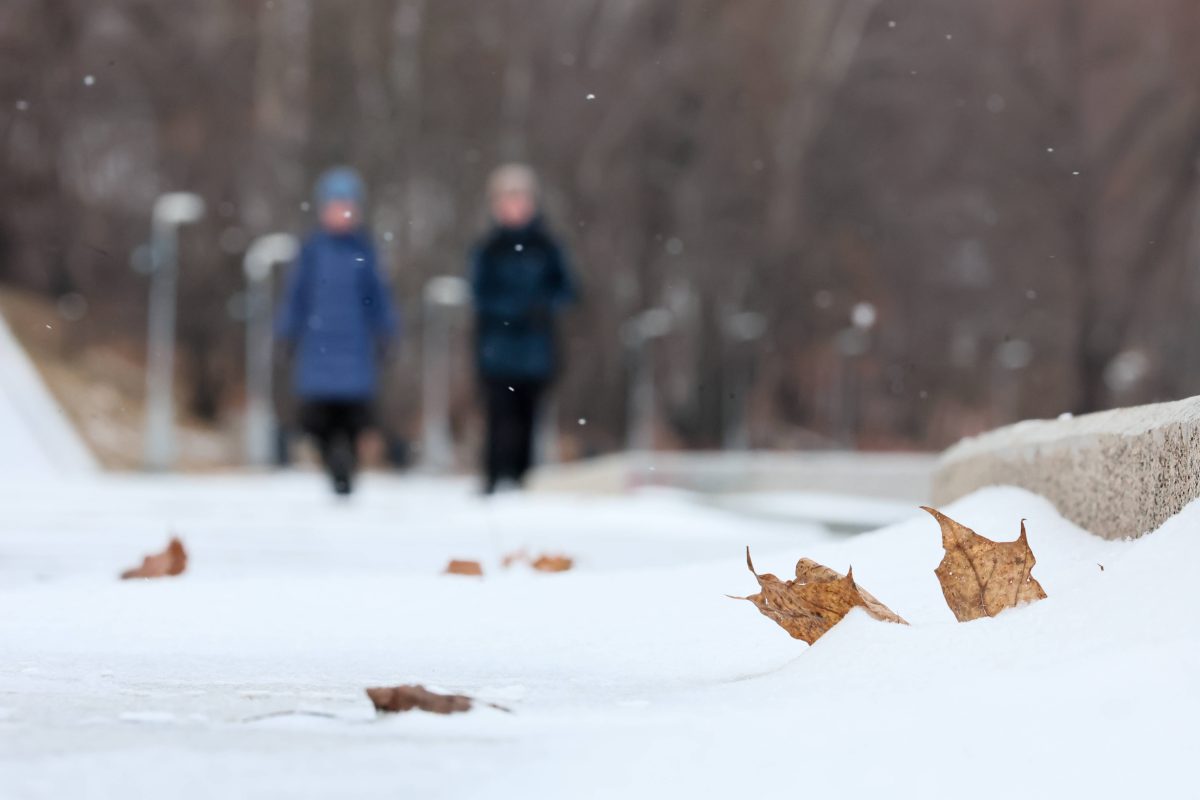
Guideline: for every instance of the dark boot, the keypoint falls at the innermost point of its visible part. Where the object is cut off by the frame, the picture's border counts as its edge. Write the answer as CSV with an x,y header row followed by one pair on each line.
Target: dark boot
x,y
340,463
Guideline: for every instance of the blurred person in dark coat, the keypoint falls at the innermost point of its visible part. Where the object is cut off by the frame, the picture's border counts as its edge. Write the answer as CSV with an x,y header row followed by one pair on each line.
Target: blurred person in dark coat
x,y
337,322
520,281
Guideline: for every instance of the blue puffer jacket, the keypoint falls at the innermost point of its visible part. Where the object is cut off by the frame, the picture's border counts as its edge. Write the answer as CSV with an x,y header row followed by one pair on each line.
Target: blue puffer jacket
x,y
520,280
336,316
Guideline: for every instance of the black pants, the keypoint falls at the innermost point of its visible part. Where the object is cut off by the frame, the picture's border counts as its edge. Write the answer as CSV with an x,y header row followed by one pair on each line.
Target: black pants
x,y
336,426
511,411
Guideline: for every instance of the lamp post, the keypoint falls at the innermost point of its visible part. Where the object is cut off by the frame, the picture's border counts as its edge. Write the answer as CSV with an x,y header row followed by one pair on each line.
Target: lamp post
x,y
261,257
170,212
853,343
546,442
441,295
1012,356
638,333
742,329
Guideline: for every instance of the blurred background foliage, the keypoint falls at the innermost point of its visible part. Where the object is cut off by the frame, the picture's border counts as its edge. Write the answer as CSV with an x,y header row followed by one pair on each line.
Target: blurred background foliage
x,y
875,223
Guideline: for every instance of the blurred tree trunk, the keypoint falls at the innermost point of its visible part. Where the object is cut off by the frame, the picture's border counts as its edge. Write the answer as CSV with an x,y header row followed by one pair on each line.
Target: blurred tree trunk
x,y
275,182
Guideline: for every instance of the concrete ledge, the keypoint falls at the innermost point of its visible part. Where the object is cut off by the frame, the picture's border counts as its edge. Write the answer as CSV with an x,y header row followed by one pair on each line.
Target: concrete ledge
x,y
902,477
1118,473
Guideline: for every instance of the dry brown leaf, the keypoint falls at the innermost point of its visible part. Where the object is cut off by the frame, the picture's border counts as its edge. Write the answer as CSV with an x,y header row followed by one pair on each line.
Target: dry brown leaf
x,y
395,699
461,567
552,563
170,562
980,577
546,562
815,601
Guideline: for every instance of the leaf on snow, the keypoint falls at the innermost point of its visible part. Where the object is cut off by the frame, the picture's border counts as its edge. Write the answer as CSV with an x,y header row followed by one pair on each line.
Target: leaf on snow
x,y
552,563
815,601
461,567
394,699
547,562
980,577
170,562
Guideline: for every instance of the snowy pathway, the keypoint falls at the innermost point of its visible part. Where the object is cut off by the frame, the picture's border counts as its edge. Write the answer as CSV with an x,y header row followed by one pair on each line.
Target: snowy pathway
x,y
632,675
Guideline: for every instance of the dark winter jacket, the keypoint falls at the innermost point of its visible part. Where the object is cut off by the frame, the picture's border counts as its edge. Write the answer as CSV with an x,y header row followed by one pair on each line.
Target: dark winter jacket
x,y
336,318
519,280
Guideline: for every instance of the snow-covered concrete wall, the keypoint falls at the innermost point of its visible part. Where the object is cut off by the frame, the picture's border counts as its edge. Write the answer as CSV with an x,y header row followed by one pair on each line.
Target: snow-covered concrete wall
x,y
36,438
1117,473
902,477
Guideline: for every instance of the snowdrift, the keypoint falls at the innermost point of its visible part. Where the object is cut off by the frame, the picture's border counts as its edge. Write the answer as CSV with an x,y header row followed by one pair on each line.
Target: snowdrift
x,y
37,437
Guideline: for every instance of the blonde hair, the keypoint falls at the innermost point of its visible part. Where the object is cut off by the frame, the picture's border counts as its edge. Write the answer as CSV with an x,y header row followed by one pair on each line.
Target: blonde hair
x,y
513,178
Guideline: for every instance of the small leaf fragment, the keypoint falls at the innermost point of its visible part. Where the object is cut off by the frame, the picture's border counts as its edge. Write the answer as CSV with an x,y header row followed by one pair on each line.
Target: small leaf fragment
x,y
815,601
396,699
513,558
463,567
980,577
170,562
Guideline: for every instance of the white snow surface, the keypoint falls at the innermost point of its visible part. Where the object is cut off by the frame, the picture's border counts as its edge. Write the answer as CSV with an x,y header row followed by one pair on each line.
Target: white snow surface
x,y
633,675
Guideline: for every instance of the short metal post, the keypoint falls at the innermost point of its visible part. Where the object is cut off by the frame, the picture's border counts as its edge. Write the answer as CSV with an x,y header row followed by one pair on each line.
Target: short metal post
x,y
170,211
262,255
640,334
441,294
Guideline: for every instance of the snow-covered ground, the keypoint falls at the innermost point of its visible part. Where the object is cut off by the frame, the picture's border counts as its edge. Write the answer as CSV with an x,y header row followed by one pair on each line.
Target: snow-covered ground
x,y
632,675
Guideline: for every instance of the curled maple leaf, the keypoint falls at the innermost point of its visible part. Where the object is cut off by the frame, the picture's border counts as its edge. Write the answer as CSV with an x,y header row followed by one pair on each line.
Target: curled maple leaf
x,y
981,578
168,563
462,567
815,601
394,699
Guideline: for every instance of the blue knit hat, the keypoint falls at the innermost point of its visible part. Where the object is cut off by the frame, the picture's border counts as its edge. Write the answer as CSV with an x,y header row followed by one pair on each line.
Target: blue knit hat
x,y
340,183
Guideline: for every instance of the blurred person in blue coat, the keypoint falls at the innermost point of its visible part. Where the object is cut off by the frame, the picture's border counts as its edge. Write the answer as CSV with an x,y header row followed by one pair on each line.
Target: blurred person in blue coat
x,y
337,323
520,281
